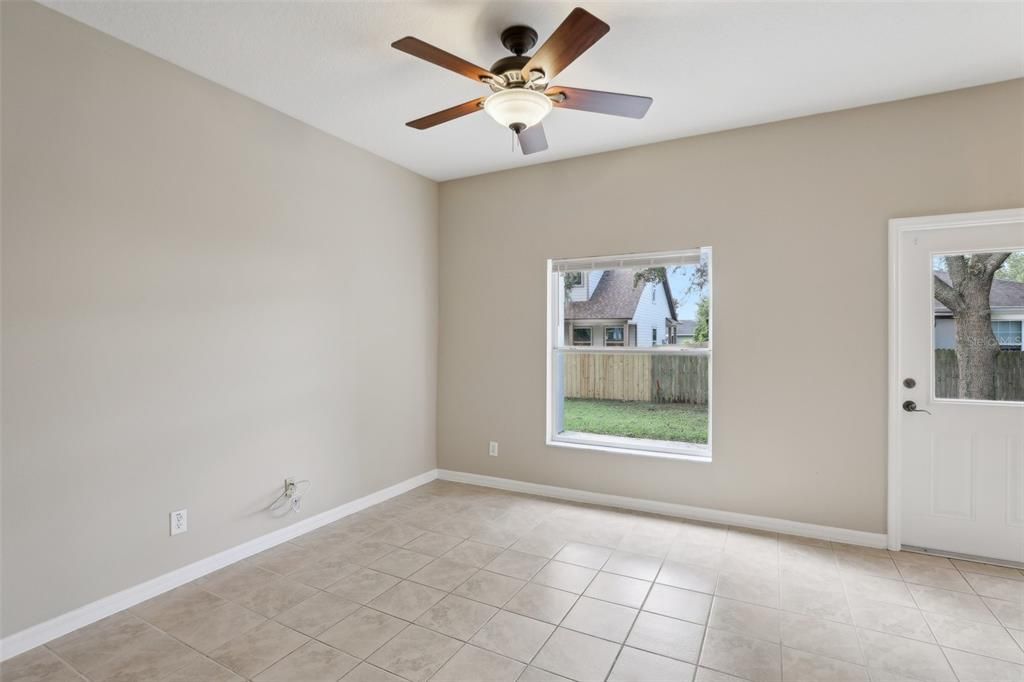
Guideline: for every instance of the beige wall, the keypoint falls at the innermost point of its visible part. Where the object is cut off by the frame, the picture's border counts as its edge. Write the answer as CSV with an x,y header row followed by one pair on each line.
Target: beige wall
x,y
201,296
797,214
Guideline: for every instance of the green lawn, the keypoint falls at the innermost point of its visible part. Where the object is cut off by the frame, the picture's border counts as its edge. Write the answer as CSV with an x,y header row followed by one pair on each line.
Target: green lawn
x,y
658,421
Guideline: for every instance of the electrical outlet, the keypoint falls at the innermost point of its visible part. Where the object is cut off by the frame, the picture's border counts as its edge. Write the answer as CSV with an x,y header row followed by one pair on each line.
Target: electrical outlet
x,y
179,521
493,449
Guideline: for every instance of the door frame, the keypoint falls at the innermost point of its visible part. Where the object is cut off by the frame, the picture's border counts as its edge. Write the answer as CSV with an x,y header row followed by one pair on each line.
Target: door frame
x,y
897,228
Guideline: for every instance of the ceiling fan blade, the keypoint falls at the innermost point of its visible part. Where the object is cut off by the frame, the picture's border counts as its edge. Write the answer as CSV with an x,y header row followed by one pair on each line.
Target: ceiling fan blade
x,y
533,139
445,115
446,60
573,37
598,101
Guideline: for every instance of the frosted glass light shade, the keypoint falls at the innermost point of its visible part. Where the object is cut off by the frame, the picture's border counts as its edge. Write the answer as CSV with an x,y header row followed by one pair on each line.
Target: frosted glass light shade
x,y
517,107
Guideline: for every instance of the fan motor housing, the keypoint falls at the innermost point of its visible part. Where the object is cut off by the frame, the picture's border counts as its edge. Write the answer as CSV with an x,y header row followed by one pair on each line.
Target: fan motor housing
x,y
519,39
510,67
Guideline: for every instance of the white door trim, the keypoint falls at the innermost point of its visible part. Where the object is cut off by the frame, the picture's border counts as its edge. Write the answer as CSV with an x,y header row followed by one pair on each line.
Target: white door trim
x,y
897,228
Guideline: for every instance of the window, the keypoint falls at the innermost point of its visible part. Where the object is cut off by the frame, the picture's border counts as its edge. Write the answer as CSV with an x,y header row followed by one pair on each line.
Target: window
x,y
582,336
1008,333
574,279
606,393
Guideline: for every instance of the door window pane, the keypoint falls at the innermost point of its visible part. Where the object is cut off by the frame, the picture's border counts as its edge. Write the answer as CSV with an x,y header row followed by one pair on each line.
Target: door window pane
x,y
977,315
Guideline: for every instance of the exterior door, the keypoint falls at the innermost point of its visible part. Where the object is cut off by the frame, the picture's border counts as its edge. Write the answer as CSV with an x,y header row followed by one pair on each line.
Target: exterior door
x,y
957,393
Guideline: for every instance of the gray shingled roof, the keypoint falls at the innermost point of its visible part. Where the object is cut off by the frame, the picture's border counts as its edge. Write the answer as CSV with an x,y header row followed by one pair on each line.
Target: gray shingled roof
x,y
1005,293
686,327
615,298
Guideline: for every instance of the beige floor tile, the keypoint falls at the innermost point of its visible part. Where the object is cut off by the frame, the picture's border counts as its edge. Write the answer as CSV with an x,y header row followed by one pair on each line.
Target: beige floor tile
x,y
324,572
745,657
896,620
905,657
862,586
634,665
407,600
1018,636
974,668
456,617
516,564
997,588
208,631
401,563
235,581
975,638
868,564
513,635
749,588
829,605
562,576
181,605
397,534
618,589
590,556
498,537
472,663
92,646
639,566
473,553
539,545
708,675
443,574
800,666
312,662
316,614
687,577
366,552
678,603
600,619
532,674
577,656
416,653
955,604
434,544
696,554
822,637
202,670
364,672
988,569
282,559
151,656
363,586
751,620
677,639
275,596
37,665
542,603
363,632
256,650
946,578
1009,614
489,588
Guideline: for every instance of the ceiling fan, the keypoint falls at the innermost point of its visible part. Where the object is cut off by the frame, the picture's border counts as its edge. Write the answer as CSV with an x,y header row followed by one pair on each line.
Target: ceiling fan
x,y
521,91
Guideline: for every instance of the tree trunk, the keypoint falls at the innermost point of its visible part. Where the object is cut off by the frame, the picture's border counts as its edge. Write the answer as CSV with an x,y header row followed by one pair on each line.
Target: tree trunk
x,y
967,296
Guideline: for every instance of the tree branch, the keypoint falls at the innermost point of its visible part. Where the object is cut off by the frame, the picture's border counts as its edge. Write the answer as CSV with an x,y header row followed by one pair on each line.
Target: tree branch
x,y
947,295
995,261
957,267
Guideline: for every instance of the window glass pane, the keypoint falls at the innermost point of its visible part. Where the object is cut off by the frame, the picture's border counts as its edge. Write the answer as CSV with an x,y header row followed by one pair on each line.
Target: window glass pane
x,y
613,335
977,323
582,335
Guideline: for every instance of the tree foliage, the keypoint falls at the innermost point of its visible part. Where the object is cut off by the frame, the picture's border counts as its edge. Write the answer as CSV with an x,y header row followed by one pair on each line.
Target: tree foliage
x,y
702,331
1013,268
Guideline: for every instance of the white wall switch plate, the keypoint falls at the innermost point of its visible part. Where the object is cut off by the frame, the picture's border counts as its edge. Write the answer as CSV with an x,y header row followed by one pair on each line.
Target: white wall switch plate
x,y
179,521
492,450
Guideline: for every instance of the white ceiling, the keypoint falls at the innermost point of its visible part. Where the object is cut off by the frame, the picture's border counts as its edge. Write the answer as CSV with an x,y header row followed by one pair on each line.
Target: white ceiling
x,y
708,65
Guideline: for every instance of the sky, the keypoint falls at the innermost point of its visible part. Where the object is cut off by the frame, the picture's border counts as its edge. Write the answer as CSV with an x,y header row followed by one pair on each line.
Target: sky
x,y
678,282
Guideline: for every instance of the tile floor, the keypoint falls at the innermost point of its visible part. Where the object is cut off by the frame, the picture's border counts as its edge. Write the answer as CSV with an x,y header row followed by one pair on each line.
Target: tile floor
x,y
451,582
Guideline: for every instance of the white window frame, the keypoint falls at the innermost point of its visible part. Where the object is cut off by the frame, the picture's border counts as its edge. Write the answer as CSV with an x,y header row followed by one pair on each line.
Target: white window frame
x,y
695,452
615,344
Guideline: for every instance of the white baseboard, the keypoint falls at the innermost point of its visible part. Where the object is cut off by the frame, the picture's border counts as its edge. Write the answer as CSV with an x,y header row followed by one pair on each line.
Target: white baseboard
x,y
808,530
42,633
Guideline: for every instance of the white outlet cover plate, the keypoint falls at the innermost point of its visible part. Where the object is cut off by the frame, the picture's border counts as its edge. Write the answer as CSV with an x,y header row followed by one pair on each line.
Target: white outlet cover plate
x,y
492,450
179,521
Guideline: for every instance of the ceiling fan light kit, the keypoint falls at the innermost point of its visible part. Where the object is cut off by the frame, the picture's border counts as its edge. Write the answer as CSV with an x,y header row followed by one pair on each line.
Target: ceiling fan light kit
x,y
522,94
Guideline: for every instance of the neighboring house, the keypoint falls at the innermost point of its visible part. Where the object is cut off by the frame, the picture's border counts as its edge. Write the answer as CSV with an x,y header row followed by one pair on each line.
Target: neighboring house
x,y
684,330
604,308
1007,301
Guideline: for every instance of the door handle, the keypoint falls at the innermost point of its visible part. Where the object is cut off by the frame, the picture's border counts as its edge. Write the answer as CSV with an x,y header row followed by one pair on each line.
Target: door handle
x,y
911,406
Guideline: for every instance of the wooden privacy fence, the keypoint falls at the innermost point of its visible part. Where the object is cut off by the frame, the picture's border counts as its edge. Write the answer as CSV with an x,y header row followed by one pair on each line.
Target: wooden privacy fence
x,y
639,377
1009,375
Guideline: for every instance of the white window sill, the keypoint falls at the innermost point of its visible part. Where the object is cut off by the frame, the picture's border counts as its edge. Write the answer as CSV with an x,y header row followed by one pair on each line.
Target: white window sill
x,y
637,447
